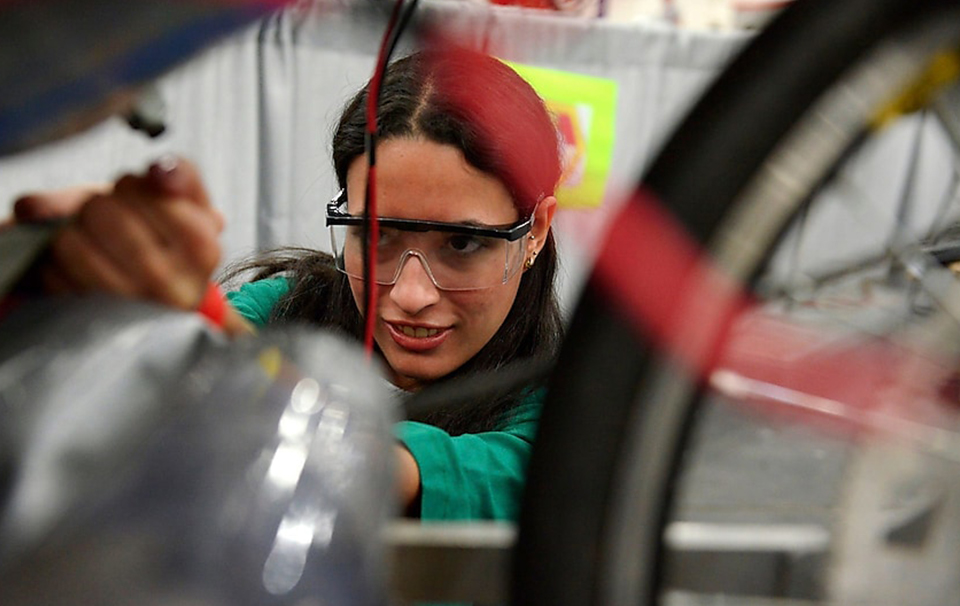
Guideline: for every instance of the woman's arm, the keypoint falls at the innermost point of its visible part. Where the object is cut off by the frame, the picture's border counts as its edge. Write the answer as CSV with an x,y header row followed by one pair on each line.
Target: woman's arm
x,y
466,477
408,480
470,476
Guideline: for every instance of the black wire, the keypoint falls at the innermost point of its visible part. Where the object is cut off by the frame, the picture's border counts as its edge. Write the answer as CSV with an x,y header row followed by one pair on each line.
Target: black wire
x,y
401,27
399,19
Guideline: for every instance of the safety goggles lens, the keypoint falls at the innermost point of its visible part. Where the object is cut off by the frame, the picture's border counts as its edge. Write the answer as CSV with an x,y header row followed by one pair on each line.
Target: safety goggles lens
x,y
453,260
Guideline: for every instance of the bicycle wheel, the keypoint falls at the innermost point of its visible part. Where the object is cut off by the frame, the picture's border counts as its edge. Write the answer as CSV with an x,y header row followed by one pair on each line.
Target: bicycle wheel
x,y
745,175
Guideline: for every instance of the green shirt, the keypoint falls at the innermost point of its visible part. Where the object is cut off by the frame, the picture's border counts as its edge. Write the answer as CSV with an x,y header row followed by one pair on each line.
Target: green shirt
x,y
467,477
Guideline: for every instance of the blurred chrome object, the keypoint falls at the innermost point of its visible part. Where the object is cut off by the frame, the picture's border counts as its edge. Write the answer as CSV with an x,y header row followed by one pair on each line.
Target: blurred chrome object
x,y
148,461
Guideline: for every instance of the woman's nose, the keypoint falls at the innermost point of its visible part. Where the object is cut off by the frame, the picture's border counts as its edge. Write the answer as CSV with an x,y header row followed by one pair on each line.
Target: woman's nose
x,y
414,289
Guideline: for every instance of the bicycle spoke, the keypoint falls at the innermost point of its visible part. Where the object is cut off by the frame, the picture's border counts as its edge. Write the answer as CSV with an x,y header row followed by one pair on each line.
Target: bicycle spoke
x,y
946,107
903,217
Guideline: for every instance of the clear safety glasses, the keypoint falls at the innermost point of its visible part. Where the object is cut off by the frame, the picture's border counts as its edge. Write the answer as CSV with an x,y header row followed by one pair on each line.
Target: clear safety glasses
x,y
456,256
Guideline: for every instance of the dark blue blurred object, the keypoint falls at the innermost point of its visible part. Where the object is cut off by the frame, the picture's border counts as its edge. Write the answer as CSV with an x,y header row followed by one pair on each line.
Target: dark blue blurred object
x,y
67,64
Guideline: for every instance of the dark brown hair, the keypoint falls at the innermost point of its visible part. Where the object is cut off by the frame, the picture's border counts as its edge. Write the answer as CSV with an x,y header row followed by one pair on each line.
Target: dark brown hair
x,y
483,108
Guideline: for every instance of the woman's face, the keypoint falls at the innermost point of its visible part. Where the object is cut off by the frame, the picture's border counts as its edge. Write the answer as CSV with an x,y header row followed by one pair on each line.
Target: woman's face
x,y
424,332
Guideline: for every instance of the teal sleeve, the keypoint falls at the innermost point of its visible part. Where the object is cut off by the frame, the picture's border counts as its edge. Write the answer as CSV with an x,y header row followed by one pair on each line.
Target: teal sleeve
x,y
473,476
255,301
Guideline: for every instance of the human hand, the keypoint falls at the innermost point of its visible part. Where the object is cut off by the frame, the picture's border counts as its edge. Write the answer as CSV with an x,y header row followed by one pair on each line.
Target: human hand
x,y
152,236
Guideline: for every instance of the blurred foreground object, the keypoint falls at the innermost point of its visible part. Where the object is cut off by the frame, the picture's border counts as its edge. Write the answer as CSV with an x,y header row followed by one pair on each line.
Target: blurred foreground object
x,y
771,205
67,64
145,460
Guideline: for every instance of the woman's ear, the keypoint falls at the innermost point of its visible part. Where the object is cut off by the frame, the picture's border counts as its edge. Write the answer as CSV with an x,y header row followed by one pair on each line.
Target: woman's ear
x,y
542,219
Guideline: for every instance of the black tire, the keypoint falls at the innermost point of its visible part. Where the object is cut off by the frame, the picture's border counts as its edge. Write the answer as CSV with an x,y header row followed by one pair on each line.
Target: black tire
x,y
600,425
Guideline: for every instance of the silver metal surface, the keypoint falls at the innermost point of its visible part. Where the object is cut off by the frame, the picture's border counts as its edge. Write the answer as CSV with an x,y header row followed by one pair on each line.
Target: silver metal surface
x,y
771,560
449,561
469,562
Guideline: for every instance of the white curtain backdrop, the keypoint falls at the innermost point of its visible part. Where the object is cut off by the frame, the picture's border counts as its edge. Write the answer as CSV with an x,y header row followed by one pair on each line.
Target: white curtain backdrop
x,y
256,112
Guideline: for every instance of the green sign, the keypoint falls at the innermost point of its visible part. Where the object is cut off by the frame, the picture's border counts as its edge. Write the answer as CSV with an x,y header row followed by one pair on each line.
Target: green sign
x,y
584,110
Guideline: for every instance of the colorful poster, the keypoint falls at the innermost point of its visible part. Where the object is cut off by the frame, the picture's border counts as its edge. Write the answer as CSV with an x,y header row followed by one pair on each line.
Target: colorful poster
x,y
584,109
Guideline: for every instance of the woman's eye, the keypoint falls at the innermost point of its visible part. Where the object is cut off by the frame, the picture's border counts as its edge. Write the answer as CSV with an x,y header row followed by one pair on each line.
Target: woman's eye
x,y
387,236
464,244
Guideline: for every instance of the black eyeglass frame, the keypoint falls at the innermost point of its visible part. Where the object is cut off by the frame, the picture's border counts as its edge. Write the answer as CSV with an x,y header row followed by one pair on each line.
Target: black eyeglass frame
x,y
510,232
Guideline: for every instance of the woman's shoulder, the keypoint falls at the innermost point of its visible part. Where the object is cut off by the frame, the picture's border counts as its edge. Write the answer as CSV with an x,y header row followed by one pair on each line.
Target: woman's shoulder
x,y
531,401
523,419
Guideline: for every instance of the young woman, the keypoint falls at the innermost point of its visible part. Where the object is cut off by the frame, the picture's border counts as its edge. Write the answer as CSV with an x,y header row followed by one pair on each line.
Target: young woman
x,y
467,163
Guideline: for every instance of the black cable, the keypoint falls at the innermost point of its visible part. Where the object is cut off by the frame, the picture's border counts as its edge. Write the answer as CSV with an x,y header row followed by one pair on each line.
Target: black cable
x,y
370,230
401,27
399,19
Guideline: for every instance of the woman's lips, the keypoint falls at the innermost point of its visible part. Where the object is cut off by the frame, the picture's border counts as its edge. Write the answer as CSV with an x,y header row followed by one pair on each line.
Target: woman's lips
x,y
417,338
